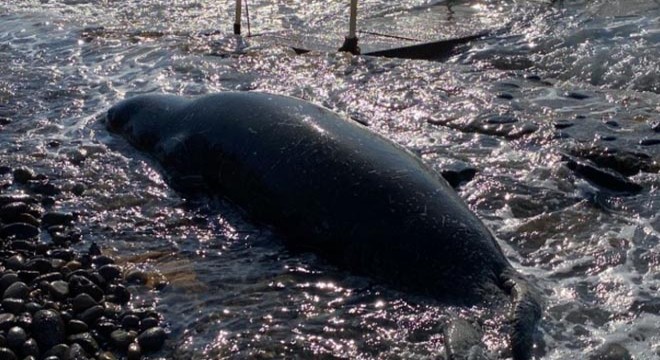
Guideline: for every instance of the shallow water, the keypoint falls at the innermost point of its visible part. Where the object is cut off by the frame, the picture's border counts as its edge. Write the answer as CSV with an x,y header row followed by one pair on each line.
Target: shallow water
x,y
553,80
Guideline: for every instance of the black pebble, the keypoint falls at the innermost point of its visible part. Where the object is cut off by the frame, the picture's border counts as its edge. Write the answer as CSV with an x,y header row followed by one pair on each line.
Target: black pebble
x,y
576,95
7,354
59,289
110,272
86,340
22,175
17,290
57,218
48,328
82,302
130,322
120,339
30,348
9,278
7,320
12,305
75,326
152,339
92,314
16,336
148,322
649,142
21,231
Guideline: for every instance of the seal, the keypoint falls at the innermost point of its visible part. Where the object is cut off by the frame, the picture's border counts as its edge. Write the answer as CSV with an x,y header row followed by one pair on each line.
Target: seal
x,y
332,186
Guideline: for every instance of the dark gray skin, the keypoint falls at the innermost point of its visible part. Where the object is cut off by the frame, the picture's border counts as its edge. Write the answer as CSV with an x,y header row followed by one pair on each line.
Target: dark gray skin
x,y
331,186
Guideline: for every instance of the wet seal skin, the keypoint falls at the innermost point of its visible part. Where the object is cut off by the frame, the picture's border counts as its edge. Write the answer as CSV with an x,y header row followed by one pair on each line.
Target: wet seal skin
x,y
331,186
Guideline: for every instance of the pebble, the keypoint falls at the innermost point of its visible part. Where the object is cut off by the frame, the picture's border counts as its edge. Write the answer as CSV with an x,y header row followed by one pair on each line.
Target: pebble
x,y
76,352
59,289
48,328
17,290
75,326
16,198
22,175
20,231
33,307
92,314
649,142
110,272
7,354
16,336
57,218
152,339
10,277
7,320
576,95
43,187
86,340
148,322
30,348
611,352
82,285
134,352
83,302
130,322
120,339
59,351
39,264
12,305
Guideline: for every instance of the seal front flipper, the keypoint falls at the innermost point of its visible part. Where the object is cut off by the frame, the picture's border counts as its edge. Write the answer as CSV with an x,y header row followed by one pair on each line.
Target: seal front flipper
x,y
525,313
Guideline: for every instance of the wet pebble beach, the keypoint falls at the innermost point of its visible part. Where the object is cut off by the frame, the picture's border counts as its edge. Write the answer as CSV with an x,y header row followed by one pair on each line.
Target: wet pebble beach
x,y
59,302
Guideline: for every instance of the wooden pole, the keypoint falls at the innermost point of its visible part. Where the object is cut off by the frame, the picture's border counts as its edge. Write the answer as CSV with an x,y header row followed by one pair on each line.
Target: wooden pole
x,y
351,41
237,18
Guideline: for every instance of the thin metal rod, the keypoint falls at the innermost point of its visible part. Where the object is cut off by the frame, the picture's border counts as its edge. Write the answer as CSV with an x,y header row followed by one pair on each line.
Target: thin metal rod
x,y
237,18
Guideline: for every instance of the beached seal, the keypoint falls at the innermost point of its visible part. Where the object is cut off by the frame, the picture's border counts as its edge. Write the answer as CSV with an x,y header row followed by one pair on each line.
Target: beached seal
x,y
330,185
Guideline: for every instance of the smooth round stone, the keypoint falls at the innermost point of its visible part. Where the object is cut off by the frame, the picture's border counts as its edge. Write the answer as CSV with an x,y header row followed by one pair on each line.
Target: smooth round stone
x,y
28,275
57,218
106,355
148,322
48,328
17,290
50,277
30,348
110,271
33,307
58,351
24,320
76,352
134,352
76,326
27,245
105,328
501,119
22,175
82,285
39,264
92,314
83,302
78,189
16,262
7,320
8,278
59,289
130,322
12,305
7,354
136,276
505,96
16,198
102,260
21,231
16,336
120,339
649,142
577,95
152,339
86,341
611,352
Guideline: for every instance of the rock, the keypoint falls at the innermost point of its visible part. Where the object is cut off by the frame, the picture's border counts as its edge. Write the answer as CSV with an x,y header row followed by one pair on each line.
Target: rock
x,y
17,198
86,340
604,178
24,320
102,260
92,314
22,175
9,278
152,339
43,187
130,322
75,326
76,352
120,339
41,265
48,328
17,290
649,142
7,320
57,218
59,351
83,302
33,307
106,355
134,352
110,272
576,95
7,354
82,285
16,336
30,348
15,262
59,289
12,305
21,231
148,322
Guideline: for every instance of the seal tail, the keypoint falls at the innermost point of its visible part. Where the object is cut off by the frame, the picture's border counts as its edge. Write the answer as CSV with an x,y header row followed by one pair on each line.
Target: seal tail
x,y
525,314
